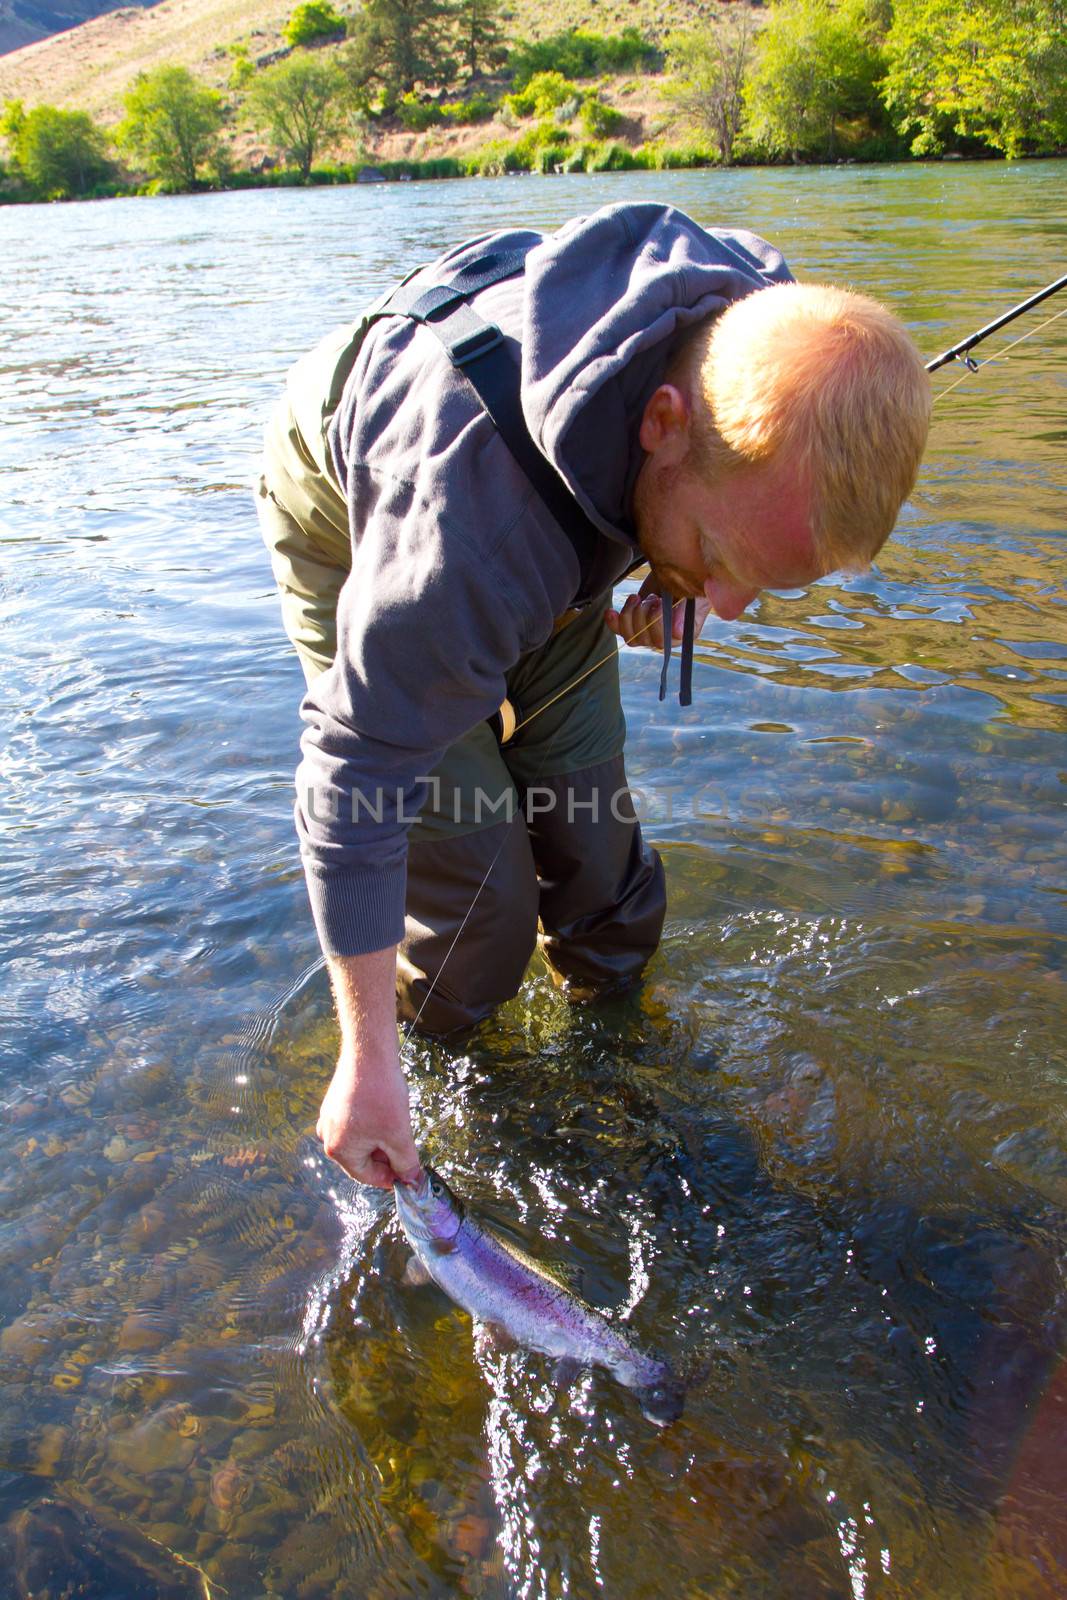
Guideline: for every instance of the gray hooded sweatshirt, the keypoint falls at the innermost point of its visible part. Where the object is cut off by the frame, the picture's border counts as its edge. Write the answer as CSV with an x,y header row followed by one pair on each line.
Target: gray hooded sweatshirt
x,y
458,568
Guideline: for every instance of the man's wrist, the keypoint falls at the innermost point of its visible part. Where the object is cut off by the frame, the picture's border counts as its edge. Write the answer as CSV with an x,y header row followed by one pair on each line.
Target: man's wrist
x,y
369,1062
364,990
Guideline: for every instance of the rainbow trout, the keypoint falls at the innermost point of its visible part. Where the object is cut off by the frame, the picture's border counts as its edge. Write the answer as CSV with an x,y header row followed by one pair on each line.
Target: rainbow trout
x,y
505,1289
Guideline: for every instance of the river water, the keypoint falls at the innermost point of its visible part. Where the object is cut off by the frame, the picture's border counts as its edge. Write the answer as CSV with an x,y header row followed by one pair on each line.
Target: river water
x,y
819,1160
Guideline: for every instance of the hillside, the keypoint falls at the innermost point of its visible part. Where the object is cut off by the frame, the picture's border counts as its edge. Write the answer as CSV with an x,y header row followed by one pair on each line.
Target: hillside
x,y
89,67
23,21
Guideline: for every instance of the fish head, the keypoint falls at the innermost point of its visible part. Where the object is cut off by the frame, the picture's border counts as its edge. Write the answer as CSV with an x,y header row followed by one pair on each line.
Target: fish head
x,y
430,1213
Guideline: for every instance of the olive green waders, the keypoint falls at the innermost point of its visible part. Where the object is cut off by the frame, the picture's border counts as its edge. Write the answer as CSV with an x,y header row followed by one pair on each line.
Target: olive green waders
x,y
549,810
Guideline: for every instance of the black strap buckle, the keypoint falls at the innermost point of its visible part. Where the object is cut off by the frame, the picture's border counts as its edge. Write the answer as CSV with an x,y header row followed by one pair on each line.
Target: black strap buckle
x,y
469,346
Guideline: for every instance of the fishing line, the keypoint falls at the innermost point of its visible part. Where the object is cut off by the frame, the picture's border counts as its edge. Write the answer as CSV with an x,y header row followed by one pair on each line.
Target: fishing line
x,y
978,365
588,673
959,352
488,871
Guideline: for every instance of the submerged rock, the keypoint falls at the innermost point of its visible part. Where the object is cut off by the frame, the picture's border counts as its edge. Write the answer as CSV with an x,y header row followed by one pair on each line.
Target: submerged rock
x,y
57,1549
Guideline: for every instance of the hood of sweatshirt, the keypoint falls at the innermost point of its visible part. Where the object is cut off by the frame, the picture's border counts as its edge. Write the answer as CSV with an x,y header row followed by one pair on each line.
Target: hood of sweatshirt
x,y
607,300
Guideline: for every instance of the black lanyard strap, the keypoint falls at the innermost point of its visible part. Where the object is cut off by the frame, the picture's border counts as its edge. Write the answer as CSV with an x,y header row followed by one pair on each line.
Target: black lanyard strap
x,y
685,682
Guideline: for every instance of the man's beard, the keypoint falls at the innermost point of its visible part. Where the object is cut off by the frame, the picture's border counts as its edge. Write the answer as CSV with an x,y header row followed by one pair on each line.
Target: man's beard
x,y
650,496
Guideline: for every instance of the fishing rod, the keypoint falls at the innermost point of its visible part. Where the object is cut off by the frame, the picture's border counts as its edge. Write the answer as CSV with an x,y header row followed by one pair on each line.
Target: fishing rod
x,y
959,352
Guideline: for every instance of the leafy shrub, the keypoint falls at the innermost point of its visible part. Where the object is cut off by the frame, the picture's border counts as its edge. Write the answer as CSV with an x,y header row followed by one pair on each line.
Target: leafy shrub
x,y
577,53
544,136
311,21
545,92
417,115
492,160
542,148
612,158
597,119
479,108
243,69
550,158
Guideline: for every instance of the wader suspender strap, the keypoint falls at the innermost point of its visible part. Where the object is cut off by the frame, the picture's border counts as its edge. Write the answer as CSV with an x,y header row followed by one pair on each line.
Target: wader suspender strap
x,y
477,349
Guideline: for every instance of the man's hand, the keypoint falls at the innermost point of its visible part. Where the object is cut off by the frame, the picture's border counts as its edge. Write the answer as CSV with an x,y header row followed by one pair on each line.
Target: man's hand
x,y
365,1120
640,622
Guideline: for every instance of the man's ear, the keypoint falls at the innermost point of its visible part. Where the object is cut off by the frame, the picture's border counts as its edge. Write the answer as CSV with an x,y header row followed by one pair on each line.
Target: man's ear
x,y
664,430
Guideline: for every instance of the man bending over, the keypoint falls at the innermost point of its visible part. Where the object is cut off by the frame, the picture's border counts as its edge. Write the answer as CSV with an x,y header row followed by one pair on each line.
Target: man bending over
x,y
662,393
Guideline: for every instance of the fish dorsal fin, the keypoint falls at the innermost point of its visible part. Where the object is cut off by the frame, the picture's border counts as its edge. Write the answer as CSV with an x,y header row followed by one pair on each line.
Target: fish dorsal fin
x,y
565,1274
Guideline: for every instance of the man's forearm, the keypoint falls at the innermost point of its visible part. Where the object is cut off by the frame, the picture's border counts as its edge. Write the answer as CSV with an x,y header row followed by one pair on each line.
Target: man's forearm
x,y
364,991
365,1122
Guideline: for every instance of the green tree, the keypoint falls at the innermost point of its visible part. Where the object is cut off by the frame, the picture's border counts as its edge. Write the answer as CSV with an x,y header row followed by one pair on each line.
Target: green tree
x,y
994,70
817,63
312,21
708,67
300,102
397,44
171,124
479,34
60,154
12,117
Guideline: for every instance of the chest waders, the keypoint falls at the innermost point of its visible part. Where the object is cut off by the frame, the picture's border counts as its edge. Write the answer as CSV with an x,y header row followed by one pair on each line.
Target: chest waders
x,y
568,864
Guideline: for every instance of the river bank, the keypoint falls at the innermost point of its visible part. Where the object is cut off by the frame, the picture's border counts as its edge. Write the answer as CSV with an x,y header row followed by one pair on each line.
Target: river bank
x,y
591,158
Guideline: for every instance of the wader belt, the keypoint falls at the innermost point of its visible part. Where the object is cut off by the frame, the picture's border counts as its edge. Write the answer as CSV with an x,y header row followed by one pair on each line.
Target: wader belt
x,y
476,348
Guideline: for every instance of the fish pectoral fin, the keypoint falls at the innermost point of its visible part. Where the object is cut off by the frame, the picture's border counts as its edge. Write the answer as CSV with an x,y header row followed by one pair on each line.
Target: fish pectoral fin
x,y
490,1337
442,1247
415,1273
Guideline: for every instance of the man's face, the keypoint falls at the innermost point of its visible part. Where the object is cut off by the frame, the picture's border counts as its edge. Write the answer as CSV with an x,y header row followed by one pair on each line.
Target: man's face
x,y
726,539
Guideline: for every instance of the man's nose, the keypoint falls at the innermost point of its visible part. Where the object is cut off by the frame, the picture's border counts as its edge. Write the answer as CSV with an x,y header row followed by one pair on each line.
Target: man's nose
x,y
727,599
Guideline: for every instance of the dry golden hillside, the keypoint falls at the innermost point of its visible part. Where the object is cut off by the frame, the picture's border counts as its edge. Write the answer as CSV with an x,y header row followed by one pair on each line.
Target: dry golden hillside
x,y
89,67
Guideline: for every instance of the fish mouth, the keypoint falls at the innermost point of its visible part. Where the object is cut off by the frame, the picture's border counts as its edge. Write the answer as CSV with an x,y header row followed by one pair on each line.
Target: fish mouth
x,y
413,1188
412,1197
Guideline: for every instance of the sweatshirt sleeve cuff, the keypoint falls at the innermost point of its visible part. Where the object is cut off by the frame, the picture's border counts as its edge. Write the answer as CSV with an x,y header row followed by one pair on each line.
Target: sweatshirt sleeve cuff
x,y
357,910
